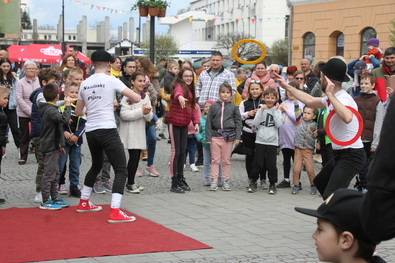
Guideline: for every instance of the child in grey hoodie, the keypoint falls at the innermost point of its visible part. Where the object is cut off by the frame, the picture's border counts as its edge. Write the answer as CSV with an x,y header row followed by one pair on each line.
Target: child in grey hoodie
x,y
267,120
304,148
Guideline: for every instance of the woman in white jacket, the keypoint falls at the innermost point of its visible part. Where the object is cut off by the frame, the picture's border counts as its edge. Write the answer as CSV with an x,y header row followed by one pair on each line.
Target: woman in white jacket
x,y
133,118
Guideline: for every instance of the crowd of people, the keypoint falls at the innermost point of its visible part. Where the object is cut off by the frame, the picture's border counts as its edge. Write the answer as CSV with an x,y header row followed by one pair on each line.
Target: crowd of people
x,y
205,112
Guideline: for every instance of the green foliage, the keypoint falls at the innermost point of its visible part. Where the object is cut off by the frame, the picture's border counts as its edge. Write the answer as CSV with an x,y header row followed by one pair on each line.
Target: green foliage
x,y
279,52
165,47
391,36
159,4
139,3
25,20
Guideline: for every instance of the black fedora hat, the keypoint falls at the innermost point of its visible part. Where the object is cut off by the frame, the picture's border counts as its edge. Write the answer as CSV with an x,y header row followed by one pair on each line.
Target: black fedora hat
x,y
335,69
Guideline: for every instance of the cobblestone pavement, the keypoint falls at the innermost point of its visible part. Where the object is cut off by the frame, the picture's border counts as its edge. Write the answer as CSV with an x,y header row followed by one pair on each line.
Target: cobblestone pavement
x,y
241,227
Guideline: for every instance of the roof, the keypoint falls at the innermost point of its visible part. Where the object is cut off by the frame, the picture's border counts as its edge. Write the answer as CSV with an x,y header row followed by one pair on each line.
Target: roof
x,y
196,16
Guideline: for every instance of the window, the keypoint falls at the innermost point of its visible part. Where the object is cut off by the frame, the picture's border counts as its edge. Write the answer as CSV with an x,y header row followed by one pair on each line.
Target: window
x,y
49,37
309,47
69,37
74,37
340,45
367,34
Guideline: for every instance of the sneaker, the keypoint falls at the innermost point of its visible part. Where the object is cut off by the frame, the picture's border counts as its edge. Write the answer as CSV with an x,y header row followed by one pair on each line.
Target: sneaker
x,y
38,198
206,182
264,185
199,163
117,216
194,168
252,187
107,185
213,186
48,205
144,155
132,188
317,160
364,190
62,189
272,189
313,190
138,173
87,206
220,182
75,191
98,188
151,171
226,186
295,190
284,184
161,135
60,202
2,201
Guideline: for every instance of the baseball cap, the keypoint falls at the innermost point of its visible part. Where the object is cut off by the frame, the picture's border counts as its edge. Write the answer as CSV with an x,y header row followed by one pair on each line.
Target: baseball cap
x,y
101,55
359,66
342,209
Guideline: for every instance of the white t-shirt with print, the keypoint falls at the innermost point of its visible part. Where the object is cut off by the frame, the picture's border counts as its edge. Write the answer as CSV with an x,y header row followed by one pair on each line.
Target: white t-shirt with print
x,y
339,129
98,93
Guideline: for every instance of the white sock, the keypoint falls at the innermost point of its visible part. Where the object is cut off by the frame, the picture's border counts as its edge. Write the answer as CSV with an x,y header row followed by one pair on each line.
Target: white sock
x,y
86,192
116,200
286,179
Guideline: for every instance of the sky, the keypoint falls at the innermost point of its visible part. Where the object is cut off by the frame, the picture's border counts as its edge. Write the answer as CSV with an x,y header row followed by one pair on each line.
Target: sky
x,y
47,12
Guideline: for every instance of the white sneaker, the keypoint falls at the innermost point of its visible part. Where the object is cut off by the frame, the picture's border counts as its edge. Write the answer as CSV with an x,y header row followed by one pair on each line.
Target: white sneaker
x,y
194,168
38,198
185,166
62,189
134,189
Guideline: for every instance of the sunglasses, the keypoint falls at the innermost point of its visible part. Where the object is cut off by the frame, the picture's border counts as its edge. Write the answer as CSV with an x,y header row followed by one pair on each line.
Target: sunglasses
x,y
299,78
255,81
273,70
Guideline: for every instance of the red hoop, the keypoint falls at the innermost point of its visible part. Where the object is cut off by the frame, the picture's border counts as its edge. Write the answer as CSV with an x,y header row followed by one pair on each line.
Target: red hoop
x,y
360,129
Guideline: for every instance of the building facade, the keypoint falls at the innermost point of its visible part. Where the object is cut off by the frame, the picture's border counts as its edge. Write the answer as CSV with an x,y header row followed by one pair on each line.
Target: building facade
x,y
325,28
264,20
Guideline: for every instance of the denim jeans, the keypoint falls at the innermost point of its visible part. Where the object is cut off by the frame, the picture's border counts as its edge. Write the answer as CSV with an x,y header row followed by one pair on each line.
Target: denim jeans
x,y
206,164
150,133
190,149
74,154
338,174
109,141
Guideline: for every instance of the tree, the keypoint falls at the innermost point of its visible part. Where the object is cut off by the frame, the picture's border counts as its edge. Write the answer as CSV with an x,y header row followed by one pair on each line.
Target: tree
x,y
391,36
184,10
165,47
247,51
279,52
25,20
46,27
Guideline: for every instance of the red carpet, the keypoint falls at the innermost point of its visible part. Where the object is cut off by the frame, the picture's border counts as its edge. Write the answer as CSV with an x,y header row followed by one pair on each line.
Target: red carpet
x,y
32,234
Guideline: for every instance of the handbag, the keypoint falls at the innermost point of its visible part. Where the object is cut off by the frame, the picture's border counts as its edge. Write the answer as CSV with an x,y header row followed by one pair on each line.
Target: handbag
x,y
229,135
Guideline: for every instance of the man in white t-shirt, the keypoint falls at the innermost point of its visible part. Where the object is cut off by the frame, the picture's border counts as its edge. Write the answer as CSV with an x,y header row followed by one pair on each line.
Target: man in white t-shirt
x,y
348,160
97,94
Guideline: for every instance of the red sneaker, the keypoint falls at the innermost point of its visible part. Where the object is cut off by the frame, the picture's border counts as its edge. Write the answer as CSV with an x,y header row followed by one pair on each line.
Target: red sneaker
x,y
86,206
117,216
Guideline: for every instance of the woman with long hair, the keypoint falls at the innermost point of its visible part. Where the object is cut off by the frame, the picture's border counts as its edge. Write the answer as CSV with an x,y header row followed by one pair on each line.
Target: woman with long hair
x,y
8,81
183,110
69,61
152,88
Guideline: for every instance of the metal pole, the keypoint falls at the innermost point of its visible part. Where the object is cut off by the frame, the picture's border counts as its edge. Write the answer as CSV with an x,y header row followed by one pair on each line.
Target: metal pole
x,y
152,39
63,43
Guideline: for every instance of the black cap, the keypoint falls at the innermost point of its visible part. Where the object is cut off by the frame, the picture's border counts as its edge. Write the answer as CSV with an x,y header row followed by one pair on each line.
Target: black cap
x,y
101,55
335,69
342,209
